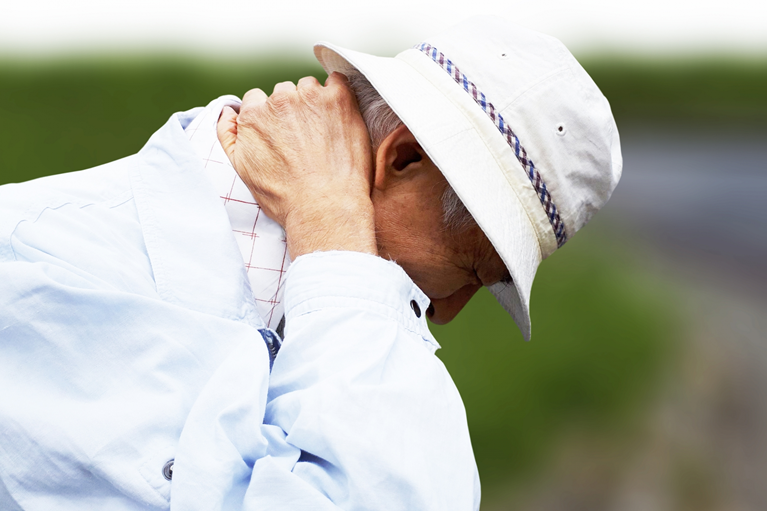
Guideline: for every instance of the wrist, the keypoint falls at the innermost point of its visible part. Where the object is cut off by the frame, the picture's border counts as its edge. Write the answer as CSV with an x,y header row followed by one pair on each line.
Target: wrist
x,y
345,226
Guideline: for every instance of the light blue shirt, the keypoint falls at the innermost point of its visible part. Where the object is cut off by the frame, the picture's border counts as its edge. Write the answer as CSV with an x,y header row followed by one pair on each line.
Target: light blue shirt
x,y
129,337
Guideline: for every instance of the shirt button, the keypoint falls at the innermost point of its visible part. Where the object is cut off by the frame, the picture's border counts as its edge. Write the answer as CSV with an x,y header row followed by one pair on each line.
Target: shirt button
x,y
416,308
167,470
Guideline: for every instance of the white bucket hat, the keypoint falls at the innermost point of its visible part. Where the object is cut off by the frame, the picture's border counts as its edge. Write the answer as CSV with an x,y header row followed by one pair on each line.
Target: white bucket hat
x,y
518,128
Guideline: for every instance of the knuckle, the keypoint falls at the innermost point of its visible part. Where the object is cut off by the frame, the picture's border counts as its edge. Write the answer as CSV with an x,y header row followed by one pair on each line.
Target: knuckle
x,y
311,95
246,117
248,112
279,100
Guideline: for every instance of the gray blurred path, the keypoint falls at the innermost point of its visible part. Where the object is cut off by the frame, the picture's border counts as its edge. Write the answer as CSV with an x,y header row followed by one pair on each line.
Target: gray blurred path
x,y
699,195
692,203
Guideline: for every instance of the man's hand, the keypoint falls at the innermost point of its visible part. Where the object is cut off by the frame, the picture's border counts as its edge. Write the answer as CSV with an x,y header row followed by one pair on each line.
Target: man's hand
x,y
305,155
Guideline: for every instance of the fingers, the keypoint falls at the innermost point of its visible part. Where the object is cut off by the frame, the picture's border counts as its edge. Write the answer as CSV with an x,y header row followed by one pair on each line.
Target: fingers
x,y
284,87
251,101
227,131
308,82
336,78
254,97
339,84
304,84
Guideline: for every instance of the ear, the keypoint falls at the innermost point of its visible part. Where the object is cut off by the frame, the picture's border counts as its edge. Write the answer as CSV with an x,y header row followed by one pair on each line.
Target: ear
x,y
398,156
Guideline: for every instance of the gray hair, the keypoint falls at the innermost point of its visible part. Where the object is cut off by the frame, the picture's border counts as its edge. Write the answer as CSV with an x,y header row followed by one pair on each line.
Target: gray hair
x,y
381,120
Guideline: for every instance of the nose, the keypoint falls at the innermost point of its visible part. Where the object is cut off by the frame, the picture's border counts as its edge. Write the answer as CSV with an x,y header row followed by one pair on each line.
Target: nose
x,y
443,310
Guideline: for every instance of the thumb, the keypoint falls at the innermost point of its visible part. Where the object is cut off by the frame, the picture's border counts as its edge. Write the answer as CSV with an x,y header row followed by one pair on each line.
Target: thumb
x,y
227,131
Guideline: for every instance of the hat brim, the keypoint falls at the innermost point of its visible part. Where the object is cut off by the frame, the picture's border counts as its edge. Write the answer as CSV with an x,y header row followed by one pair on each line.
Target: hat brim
x,y
471,153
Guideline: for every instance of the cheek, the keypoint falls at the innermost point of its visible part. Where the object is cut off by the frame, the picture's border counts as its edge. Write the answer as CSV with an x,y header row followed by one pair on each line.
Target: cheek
x,y
409,230
400,232
422,259
435,278
399,212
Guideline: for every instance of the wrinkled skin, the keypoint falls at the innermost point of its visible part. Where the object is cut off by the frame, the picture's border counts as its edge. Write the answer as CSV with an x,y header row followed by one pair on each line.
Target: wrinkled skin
x,y
304,153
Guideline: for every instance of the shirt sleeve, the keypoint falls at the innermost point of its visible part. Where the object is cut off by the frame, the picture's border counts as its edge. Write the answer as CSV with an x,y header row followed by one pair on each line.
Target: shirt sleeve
x,y
357,388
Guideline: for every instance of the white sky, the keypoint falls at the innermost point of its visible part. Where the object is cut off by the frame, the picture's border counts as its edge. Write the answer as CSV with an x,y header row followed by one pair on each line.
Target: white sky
x,y
229,26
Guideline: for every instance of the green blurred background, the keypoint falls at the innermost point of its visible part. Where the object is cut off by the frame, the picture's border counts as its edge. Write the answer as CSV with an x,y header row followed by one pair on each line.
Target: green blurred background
x,y
643,385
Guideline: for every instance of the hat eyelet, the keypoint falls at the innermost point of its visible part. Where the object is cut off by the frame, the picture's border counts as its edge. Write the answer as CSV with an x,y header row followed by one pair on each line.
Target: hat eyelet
x,y
561,129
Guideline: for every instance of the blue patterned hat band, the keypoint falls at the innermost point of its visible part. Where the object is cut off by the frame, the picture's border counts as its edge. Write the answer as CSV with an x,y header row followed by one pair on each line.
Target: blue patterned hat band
x,y
547,201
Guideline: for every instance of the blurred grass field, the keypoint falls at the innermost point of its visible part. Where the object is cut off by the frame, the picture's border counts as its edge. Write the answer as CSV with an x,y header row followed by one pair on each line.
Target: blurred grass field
x,y
604,332
63,115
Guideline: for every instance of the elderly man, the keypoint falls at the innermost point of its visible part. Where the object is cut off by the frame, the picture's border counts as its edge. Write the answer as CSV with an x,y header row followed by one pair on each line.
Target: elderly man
x,y
149,357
